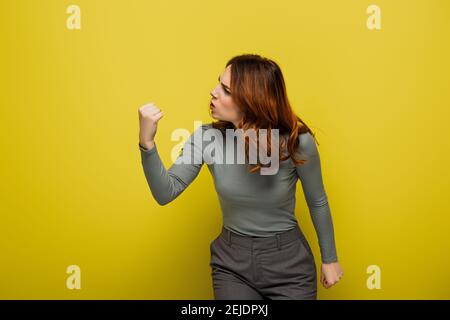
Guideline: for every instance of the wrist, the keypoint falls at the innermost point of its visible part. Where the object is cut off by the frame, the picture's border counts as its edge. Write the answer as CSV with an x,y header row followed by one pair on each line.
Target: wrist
x,y
147,144
329,261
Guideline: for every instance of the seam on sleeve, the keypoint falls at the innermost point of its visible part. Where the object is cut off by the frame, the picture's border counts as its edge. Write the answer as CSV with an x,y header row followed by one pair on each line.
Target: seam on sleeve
x,y
177,178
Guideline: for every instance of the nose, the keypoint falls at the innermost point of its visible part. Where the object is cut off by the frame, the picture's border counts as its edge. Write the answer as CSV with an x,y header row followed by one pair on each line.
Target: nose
x,y
214,91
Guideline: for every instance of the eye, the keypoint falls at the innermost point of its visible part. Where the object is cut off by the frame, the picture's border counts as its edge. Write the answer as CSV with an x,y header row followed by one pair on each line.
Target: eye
x,y
226,90
223,88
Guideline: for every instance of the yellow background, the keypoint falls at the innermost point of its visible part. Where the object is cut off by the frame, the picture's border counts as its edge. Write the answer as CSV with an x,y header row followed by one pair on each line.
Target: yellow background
x,y
72,187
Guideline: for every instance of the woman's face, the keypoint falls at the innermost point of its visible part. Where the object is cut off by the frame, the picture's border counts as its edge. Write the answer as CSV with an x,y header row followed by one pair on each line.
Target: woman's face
x,y
222,104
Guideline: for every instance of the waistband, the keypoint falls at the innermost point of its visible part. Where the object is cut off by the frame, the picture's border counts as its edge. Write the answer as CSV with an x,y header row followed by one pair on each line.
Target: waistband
x,y
251,242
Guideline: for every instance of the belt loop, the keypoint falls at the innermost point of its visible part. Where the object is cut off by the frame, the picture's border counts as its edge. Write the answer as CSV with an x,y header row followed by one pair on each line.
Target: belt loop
x,y
278,241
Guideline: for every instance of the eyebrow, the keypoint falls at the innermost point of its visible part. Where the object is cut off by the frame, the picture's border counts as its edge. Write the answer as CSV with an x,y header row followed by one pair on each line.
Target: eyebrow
x,y
223,83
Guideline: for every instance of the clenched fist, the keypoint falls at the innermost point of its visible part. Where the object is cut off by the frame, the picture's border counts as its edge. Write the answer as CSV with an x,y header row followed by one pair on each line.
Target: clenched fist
x,y
149,115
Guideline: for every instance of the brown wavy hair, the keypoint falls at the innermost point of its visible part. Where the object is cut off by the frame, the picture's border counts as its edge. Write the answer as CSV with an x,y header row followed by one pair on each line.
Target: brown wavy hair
x,y
258,89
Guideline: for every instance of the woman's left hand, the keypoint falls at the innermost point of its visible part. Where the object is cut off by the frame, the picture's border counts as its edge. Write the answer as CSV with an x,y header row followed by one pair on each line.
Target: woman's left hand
x,y
331,274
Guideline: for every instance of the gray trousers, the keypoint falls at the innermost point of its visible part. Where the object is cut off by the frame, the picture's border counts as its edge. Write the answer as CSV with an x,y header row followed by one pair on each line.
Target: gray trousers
x,y
260,268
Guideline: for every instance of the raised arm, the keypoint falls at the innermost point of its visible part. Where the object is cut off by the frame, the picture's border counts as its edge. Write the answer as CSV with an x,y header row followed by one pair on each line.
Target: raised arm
x,y
310,175
166,185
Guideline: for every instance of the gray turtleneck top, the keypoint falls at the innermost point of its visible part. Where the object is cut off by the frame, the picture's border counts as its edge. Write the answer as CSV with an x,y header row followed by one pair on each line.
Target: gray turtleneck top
x,y
252,204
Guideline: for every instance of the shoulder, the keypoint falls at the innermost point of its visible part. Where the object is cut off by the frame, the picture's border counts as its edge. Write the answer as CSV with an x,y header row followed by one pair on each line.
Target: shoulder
x,y
207,130
205,134
202,128
207,125
307,144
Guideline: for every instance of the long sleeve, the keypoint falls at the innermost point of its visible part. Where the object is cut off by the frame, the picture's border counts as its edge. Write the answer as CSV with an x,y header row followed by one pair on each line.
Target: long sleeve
x,y
166,185
310,175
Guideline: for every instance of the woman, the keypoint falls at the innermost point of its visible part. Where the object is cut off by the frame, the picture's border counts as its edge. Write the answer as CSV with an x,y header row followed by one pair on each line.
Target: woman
x,y
261,252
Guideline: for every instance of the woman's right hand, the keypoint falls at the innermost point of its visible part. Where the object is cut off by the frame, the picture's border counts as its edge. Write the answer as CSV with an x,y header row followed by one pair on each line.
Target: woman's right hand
x,y
149,115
